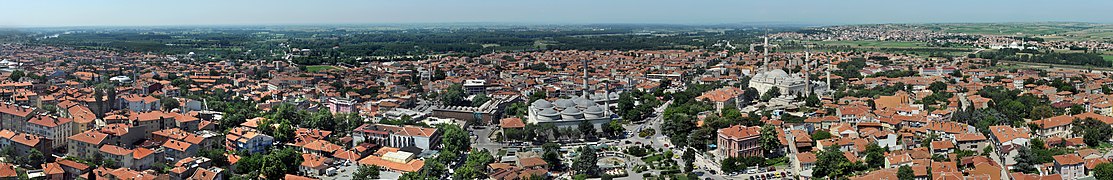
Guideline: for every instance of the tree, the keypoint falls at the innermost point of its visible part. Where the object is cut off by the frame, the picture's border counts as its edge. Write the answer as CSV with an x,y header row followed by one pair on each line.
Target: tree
x,y
1041,112
626,103
689,160
769,141
479,99
517,109
475,166
771,93
820,135
1093,132
587,129
905,173
751,94
1025,160
454,96
454,138
875,155
169,103
1076,109
16,75
552,156
366,172
1103,171
813,100
585,163
537,95
832,164
613,129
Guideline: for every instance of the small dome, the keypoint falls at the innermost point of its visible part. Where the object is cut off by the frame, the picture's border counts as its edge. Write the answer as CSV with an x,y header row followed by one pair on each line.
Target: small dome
x,y
594,109
571,111
564,103
549,112
541,103
581,102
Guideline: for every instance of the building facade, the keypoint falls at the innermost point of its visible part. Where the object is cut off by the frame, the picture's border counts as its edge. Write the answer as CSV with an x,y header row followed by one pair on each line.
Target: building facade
x,y
739,141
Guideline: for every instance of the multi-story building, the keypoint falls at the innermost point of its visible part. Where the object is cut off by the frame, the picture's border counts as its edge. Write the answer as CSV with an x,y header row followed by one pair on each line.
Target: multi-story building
x,y
55,129
341,105
398,136
1070,166
177,150
739,141
24,143
971,142
722,97
122,156
1008,139
14,117
1058,126
143,158
138,103
247,140
87,143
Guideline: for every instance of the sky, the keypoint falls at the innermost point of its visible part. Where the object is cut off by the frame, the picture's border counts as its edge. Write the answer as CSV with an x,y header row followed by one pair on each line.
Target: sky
x,y
51,13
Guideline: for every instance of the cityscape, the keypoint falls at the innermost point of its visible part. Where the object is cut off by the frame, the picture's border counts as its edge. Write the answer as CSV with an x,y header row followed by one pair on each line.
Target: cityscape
x,y
424,90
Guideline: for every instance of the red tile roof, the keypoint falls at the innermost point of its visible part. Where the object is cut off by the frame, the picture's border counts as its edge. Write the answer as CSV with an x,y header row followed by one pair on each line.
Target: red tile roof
x,y
740,132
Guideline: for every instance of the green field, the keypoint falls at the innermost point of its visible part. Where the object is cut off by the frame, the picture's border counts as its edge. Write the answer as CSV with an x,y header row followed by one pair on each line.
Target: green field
x,y
873,44
1047,31
317,68
1107,57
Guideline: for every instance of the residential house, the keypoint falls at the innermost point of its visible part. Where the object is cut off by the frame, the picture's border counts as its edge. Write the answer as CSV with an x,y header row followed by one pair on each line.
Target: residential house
x,y
1070,166
55,129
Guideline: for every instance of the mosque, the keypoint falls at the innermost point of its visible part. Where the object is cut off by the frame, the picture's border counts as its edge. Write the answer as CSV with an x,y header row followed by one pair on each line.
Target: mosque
x,y
568,112
789,84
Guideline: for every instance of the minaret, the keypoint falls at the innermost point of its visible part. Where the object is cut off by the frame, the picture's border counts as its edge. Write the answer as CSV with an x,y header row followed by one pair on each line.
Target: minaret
x,y
828,70
807,81
585,79
765,46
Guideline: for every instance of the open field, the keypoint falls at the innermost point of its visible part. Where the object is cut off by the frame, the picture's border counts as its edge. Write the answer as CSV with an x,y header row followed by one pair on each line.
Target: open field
x,y
319,68
1012,28
872,44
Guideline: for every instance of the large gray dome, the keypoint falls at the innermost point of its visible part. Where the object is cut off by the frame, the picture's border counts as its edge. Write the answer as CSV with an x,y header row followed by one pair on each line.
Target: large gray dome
x,y
776,73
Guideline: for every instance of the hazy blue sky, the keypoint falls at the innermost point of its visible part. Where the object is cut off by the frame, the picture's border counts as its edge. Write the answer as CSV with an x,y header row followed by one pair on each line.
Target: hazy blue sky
x,y
29,13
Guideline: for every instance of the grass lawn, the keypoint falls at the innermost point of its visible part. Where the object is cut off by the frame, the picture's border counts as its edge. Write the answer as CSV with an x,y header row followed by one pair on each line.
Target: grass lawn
x,y
653,158
317,68
1107,57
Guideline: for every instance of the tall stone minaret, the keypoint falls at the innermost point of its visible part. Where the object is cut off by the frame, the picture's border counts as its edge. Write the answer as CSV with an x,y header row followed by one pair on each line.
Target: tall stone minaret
x,y
765,46
585,80
807,81
828,70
